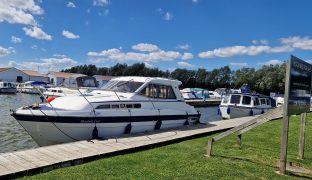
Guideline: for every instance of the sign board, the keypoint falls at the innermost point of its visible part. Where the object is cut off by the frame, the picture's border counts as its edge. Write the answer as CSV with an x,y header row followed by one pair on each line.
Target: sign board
x,y
298,86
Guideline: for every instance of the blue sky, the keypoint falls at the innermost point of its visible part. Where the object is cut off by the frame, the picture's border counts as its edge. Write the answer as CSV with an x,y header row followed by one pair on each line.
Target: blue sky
x,y
52,35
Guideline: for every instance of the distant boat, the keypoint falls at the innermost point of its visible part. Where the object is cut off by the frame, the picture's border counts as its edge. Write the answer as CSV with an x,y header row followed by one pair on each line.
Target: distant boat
x,y
194,93
7,88
31,87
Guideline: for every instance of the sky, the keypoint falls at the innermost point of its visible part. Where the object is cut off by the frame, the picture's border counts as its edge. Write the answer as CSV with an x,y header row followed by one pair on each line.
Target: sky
x,y
167,34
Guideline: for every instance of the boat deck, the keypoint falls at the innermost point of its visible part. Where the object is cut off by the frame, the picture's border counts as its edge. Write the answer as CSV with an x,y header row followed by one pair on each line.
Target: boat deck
x,y
43,159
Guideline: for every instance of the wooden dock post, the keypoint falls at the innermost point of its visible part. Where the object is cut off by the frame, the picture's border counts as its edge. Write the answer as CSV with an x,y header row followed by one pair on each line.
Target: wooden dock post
x,y
209,148
239,140
302,135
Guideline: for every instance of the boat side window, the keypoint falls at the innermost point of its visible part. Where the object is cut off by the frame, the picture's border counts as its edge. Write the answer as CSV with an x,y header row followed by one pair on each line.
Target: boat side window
x,y
256,102
158,91
5,84
235,99
53,90
262,101
115,106
246,100
268,102
136,105
60,91
103,106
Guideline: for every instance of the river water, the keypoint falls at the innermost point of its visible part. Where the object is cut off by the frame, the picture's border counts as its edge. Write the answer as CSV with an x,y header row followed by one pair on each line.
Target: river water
x,y
13,137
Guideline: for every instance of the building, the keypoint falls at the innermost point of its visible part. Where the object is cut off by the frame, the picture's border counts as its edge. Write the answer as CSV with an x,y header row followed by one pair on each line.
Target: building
x,y
11,74
102,80
36,76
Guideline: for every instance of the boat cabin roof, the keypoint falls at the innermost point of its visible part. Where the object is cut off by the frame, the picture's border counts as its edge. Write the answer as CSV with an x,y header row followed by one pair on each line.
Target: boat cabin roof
x,y
156,80
250,94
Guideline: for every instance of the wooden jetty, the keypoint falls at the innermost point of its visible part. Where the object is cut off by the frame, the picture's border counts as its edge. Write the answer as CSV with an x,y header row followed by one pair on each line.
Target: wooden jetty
x,y
204,103
43,159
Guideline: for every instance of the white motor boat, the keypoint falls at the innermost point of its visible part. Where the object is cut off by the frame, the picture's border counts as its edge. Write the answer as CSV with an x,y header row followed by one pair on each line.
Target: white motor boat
x,y
7,88
239,105
32,87
124,105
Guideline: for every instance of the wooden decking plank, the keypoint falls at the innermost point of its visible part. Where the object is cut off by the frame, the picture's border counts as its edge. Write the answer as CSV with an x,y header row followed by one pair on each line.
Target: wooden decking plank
x,y
10,165
20,161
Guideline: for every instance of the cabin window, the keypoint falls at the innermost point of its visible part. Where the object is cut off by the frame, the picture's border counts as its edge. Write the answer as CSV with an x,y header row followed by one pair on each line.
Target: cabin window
x,y
53,90
60,91
158,91
246,100
235,99
115,106
262,101
129,106
268,102
136,105
5,84
256,102
122,86
103,106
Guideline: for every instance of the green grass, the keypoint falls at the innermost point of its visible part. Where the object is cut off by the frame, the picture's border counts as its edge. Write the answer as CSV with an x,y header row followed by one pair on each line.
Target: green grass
x,y
257,159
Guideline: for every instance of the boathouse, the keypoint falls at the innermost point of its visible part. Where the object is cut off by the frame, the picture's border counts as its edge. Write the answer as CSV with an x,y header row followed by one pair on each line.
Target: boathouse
x,y
11,74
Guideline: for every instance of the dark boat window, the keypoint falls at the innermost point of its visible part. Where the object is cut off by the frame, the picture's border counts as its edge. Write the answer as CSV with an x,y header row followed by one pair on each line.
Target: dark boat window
x,y
115,106
235,99
103,106
60,91
158,91
129,105
268,101
137,105
122,105
256,102
246,100
53,90
262,101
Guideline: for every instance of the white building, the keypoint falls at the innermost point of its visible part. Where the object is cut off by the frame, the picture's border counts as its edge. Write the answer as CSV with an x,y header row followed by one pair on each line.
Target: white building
x,y
11,74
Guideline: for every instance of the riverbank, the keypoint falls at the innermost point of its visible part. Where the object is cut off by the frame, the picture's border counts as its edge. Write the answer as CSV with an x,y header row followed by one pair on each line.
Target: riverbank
x,y
257,158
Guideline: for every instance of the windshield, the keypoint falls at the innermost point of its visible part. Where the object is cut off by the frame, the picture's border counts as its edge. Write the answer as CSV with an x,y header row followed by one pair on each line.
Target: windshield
x,y
122,86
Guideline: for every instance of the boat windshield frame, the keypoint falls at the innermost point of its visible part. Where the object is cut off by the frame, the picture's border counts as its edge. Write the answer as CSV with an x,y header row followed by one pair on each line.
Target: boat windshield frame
x,y
122,86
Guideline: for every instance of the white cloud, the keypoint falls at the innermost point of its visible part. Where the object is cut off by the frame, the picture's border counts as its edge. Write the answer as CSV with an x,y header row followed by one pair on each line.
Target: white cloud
x,y
6,51
100,2
304,43
239,64
148,65
187,56
70,35
145,47
46,64
263,42
19,11
148,53
168,16
183,46
37,33
59,55
165,15
185,64
34,47
15,39
272,62
71,5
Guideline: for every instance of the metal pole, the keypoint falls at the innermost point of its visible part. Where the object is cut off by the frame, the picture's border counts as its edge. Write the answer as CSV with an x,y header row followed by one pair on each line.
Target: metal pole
x,y
302,135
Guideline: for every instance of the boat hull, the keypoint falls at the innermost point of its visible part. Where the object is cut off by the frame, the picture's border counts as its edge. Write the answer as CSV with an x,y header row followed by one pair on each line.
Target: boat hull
x,y
231,112
8,90
55,130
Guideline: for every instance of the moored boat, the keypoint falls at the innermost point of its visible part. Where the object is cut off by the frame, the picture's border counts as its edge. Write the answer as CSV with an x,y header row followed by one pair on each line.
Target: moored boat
x,y
31,87
7,88
245,104
124,105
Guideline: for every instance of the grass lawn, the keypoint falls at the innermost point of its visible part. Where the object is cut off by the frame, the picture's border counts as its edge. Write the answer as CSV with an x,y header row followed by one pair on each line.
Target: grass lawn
x,y
257,159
